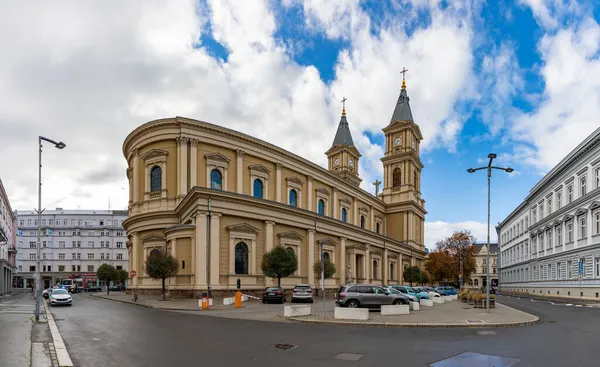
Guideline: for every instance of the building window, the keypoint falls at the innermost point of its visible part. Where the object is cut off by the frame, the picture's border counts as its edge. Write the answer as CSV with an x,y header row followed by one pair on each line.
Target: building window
x,y
258,188
377,227
321,207
558,200
582,227
534,215
362,221
61,268
119,256
549,206
90,256
155,252
597,177
396,174
569,270
375,270
326,257
61,256
344,214
598,267
241,258
90,268
569,231
476,282
392,269
216,179
558,236
155,179
293,198
597,222
569,194
582,186
31,256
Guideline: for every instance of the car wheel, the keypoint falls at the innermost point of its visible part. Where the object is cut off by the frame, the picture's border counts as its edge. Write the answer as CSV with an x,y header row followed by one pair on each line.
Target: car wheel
x,y
353,304
398,302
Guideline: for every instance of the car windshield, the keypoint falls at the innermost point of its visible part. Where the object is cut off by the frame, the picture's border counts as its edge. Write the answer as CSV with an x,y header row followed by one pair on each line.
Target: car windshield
x,y
412,290
59,291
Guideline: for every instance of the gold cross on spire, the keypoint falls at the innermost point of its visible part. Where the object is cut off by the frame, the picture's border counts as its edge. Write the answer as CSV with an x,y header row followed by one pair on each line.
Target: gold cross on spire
x,y
403,72
344,99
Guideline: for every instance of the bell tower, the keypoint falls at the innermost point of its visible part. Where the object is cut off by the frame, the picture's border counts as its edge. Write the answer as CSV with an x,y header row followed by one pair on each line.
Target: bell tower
x,y
343,156
405,213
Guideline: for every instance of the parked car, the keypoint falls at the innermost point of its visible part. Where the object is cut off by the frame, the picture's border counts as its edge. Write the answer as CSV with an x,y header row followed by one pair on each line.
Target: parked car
x,y
273,294
302,292
411,291
93,288
46,293
446,291
429,290
60,296
367,295
117,288
395,291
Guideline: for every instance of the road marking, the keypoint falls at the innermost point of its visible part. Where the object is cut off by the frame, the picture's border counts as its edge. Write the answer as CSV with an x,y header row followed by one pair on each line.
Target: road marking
x,y
552,303
569,304
578,305
59,345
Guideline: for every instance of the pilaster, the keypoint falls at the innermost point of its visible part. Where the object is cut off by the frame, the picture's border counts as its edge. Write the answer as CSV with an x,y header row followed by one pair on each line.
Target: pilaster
x,y
400,269
268,235
334,205
135,249
372,225
366,265
310,193
193,163
355,218
173,280
342,267
278,182
239,174
200,269
311,256
215,237
386,267
136,176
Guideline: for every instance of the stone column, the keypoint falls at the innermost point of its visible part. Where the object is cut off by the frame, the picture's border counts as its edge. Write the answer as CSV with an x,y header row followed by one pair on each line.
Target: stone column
x,y
372,219
200,269
366,265
183,173
355,212
268,235
194,163
215,237
334,205
311,256
239,174
173,279
278,182
135,249
385,267
342,266
400,269
309,192
136,176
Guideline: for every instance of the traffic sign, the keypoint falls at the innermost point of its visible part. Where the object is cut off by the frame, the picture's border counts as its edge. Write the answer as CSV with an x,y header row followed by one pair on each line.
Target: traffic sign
x,y
132,274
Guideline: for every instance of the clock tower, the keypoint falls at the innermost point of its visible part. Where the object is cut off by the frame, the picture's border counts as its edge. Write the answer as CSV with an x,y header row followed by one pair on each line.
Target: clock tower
x,y
343,156
405,207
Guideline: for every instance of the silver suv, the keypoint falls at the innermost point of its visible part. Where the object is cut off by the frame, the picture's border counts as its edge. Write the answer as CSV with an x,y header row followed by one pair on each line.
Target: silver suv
x,y
367,295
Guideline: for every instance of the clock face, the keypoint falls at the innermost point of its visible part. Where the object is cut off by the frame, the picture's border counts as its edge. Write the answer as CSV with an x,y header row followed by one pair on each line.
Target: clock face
x,y
397,141
351,163
337,162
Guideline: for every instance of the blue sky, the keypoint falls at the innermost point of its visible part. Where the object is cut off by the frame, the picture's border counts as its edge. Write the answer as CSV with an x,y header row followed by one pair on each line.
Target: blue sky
x,y
517,78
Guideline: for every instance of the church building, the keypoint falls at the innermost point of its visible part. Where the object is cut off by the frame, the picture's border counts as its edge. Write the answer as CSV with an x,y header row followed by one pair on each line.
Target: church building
x,y
218,199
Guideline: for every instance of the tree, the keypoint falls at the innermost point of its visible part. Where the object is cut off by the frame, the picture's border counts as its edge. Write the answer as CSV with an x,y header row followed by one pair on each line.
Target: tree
x,y
122,276
329,269
106,273
279,263
424,277
412,274
444,263
161,265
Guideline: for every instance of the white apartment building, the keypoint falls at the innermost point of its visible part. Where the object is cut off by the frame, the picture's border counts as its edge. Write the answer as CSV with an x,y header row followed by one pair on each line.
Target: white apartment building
x,y
74,243
555,232
7,243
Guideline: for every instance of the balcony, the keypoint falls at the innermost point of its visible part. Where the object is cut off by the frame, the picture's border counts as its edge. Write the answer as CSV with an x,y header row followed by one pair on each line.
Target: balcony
x,y
12,250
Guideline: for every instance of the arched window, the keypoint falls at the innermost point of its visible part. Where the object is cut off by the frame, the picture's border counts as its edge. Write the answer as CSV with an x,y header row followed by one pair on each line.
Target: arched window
x,y
156,179
293,198
477,282
344,214
362,221
216,179
155,252
392,272
321,207
241,258
258,188
377,227
375,270
326,257
396,177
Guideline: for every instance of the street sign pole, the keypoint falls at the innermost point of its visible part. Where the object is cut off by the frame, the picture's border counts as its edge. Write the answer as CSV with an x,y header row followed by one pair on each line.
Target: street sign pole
x,y
580,276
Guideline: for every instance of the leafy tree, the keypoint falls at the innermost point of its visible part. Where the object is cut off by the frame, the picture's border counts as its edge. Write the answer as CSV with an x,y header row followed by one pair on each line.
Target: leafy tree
x,y
161,265
424,277
121,276
329,269
279,263
412,274
444,263
106,273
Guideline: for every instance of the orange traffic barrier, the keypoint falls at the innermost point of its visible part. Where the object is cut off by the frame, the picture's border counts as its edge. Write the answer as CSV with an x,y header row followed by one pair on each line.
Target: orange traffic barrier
x,y
238,299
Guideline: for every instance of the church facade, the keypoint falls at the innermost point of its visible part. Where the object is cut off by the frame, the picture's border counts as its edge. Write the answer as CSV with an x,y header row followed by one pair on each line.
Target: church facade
x,y
218,200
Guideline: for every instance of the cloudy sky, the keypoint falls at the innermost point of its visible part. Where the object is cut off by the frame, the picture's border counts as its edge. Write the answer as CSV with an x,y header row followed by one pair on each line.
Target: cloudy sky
x,y
518,78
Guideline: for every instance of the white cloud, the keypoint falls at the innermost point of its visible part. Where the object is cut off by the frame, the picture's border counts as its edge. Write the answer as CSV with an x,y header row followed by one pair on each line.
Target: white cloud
x,y
569,108
436,231
89,74
551,13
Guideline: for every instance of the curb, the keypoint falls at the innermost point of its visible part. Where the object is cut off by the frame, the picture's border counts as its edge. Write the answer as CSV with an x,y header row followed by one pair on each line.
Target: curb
x,y
64,360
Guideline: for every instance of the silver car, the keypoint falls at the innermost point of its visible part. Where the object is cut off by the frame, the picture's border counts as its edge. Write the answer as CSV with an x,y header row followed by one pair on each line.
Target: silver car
x,y
395,291
367,295
302,292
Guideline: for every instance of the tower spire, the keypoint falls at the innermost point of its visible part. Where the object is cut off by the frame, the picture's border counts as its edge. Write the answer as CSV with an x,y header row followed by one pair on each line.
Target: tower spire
x,y
402,110
344,99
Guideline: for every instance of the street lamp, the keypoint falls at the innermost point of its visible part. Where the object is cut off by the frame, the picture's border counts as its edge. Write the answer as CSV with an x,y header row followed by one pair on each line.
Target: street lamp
x,y
489,168
38,292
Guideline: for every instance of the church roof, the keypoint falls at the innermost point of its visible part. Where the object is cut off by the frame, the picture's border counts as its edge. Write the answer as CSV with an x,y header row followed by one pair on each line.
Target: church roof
x,y
343,136
402,111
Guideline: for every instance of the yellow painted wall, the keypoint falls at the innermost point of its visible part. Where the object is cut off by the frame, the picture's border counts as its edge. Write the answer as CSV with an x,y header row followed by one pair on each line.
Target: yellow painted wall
x,y
204,149
396,225
171,147
183,252
288,173
279,228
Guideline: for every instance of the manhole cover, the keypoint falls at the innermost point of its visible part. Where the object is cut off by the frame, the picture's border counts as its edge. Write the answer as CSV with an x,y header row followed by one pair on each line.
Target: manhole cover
x,y
469,359
285,346
486,333
349,357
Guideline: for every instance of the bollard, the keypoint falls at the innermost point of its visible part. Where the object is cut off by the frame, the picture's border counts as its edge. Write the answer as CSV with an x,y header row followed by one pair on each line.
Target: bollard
x,y
238,299
204,301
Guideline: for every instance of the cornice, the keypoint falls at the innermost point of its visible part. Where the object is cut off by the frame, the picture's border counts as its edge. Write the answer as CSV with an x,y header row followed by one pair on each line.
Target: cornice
x,y
575,204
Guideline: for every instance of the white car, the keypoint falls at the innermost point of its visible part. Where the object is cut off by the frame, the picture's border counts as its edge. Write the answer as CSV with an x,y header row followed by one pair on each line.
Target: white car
x,y
60,297
430,291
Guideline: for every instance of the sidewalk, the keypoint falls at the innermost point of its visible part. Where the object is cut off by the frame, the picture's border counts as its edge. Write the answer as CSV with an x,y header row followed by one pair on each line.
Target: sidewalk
x,y
450,314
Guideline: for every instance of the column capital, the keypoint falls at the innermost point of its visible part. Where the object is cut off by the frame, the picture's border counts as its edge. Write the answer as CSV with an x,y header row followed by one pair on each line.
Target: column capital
x,y
310,178
368,246
269,223
194,143
182,140
239,153
342,238
213,214
198,214
311,231
278,165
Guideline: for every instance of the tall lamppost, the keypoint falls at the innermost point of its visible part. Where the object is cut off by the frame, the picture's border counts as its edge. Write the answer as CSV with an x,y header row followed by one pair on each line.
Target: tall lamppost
x,y
489,168
38,292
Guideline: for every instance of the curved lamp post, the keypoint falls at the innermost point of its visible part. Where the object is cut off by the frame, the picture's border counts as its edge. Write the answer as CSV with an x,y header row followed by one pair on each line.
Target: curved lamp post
x,y
489,169
38,291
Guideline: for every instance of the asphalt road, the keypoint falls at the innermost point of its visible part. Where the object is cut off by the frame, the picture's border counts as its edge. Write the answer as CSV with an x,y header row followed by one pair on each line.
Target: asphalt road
x,y
100,332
